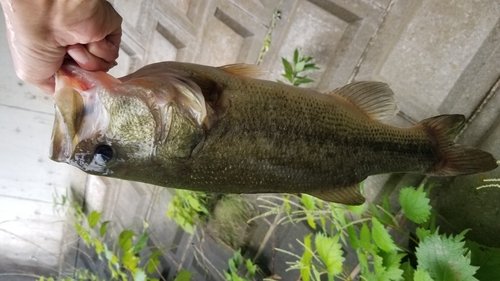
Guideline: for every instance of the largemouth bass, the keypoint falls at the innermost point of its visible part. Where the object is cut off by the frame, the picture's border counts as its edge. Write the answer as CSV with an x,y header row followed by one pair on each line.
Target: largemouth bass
x,y
218,129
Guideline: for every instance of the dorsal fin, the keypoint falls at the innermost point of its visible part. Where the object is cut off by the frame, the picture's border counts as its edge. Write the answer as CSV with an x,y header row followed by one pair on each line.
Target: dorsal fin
x,y
244,70
375,99
348,195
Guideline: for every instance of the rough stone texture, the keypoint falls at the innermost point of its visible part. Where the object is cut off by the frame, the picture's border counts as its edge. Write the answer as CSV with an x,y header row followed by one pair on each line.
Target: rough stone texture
x,y
423,49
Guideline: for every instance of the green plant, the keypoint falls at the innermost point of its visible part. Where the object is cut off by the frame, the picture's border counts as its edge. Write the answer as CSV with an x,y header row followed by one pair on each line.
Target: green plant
x,y
267,42
237,261
370,231
298,65
188,208
126,257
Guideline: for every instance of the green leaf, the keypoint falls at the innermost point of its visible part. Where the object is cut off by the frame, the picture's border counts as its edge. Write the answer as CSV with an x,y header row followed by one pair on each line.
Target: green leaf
x,y
330,252
422,275
363,259
183,275
170,209
365,238
310,66
153,261
391,263
408,271
238,258
353,237
141,243
232,266
189,228
288,76
103,229
302,80
382,237
125,239
415,204
306,260
386,216
251,268
299,67
488,260
296,56
130,261
308,201
378,265
98,246
287,66
93,218
84,234
422,233
139,275
357,209
444,258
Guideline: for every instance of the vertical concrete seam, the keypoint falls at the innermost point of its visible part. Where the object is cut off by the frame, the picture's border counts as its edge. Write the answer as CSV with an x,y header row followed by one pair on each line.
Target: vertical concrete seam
x,y
493,90
371,41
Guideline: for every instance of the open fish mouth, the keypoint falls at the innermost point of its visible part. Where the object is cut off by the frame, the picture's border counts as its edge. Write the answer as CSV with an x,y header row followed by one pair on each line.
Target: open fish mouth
x,y
69,107
79,112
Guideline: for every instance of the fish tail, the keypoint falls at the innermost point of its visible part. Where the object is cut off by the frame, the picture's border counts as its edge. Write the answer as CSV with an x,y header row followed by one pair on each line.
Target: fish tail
x,y
455,159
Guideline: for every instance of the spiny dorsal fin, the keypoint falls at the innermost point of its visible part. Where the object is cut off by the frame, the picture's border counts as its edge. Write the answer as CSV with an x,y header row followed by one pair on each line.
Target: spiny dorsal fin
x,y
375,99
348,195
244,70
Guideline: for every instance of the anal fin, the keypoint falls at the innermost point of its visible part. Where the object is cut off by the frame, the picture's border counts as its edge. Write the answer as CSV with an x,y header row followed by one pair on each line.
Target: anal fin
x,y
348,195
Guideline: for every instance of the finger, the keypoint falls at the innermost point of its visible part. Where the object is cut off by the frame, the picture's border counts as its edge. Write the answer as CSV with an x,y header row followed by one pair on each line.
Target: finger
x,y
103,49
86,60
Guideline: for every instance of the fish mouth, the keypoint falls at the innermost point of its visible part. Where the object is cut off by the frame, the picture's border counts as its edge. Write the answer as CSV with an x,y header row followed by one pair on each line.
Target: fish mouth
x,y
69,106
79,113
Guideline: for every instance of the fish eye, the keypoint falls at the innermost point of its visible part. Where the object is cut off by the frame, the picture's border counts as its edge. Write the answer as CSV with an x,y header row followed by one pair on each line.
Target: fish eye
x,y
104,155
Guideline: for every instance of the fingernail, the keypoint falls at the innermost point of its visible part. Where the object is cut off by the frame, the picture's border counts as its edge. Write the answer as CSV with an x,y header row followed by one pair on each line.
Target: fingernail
x,y
79,55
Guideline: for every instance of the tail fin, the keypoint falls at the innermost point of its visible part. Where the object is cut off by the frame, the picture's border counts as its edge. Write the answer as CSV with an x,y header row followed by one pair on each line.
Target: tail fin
x,y
455,159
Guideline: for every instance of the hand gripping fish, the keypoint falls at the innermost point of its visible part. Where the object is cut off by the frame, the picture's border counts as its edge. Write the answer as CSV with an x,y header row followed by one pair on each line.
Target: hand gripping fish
x,y
218,129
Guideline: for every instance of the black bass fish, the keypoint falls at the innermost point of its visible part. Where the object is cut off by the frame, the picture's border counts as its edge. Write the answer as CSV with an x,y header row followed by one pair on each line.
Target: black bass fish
x,y
218,129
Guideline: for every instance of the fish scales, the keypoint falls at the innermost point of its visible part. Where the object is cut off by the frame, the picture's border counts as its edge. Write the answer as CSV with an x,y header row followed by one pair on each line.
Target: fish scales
x,y
220,130
302,143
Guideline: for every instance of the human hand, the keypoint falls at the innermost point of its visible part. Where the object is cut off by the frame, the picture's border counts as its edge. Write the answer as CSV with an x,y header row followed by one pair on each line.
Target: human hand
x,y
43,33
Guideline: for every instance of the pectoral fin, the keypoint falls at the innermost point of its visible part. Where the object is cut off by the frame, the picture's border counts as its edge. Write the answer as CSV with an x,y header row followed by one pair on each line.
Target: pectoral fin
x,y
349,195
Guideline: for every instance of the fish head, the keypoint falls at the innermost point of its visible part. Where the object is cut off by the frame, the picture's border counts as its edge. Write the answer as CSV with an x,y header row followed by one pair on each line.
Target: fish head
x,y
102,125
